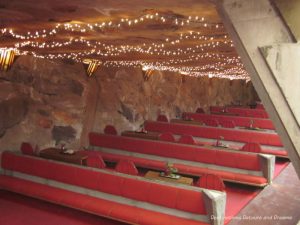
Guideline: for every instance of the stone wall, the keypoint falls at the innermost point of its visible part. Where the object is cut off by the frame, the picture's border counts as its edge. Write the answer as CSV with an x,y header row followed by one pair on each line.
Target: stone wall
x,y
126,99
52,102
41,102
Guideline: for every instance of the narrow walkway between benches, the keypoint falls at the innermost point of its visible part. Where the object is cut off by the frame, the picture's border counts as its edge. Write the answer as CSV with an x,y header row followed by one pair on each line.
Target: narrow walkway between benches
x,y
277,204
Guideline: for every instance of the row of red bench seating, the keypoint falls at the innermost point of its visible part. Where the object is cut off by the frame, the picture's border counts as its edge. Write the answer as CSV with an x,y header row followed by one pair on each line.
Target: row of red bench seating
x,y
257,113
125,165
188,139
247,147
127,198
93,160
234,166
243,136
231,121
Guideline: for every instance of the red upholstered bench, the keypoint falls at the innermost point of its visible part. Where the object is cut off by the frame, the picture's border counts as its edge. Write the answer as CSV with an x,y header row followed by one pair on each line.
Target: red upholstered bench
x,y
123,197
271,143
256,113
234,166
240,136
239,121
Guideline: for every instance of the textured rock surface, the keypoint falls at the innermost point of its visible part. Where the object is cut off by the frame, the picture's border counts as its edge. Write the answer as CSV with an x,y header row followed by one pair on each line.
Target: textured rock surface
x,y
51,102
126,99
37,97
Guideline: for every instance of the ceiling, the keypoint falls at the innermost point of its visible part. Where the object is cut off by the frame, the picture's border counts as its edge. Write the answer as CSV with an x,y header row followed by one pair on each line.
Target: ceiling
x,y
185,36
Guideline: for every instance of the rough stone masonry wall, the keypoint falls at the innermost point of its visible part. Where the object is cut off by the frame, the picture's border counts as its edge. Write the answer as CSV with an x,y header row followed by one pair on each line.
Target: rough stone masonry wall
x,y
51,102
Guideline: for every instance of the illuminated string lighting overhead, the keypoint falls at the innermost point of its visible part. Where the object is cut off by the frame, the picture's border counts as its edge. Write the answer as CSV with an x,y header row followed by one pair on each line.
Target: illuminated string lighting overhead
x,y
173,53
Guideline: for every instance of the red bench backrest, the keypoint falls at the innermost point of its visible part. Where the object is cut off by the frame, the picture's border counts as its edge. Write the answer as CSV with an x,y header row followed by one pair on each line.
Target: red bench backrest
x,y
200,110
95,161
227,123
252,147
166,136
27,149
126,166
211,122
211,181
173,197
109,129
239,121
201,154
215,133
162,118
187,139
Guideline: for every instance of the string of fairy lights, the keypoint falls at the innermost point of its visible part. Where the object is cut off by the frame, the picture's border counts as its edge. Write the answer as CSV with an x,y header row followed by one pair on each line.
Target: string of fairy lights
x,y
172,53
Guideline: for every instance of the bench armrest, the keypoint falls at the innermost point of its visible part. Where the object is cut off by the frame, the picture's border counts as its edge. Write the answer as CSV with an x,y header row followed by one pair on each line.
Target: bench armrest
x,y
267,163
215,203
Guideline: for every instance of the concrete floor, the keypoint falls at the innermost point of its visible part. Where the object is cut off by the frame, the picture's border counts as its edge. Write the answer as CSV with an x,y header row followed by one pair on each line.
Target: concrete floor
x,y
277,204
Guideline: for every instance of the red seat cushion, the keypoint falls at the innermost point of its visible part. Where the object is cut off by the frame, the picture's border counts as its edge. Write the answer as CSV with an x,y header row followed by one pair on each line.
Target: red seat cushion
x,y
109,129
211,181
282,153
126,166
187,139
251,147
250,179
95,161
167,136
27,149
162,118
199,110
227,123
211,122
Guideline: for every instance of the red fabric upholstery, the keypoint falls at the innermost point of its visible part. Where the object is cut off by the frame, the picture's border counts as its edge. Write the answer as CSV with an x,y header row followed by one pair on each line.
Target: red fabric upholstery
x,y
252,147
211,122
224,158
109,129
241,160
189,170
101,207
239,121
216,108
167,136
140,162
106,182
187,139
175,150
95,161
199,110
257,113
126,166
27,149
215,132
162,118
248,161
211,181
227,123
280,153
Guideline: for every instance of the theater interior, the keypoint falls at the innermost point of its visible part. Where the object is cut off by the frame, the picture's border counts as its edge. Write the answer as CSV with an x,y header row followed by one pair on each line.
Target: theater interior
x,y
148,112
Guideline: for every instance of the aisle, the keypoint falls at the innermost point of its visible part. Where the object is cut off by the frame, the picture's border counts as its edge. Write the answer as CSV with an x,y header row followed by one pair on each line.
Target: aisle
x,y
277,204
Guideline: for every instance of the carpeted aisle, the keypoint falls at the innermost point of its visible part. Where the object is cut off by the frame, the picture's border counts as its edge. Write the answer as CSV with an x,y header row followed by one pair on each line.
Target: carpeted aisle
x,y
238,196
